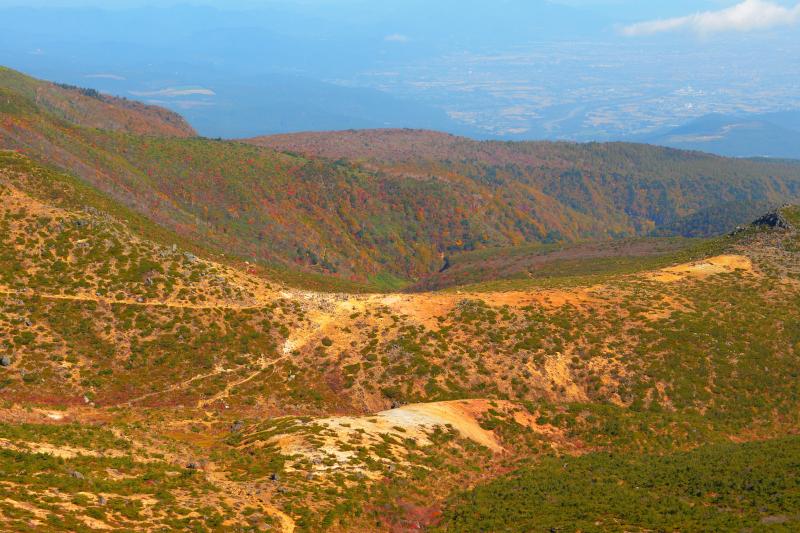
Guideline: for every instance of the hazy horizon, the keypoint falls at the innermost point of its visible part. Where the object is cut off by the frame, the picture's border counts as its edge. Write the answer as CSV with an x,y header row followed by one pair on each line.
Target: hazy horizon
x,y
573,69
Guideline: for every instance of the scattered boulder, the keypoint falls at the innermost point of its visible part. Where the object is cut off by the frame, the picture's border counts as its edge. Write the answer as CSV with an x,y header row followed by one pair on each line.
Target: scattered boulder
x,y
5,361
237,426
101,500
274,477
75,474
192,465
190,257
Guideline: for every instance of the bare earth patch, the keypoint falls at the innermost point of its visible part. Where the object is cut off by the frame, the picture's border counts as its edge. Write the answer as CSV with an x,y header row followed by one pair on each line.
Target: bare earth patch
x,y
723,264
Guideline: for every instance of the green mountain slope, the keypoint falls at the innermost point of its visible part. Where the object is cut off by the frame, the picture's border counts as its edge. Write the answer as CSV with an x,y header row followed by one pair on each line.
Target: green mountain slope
x,y
723,487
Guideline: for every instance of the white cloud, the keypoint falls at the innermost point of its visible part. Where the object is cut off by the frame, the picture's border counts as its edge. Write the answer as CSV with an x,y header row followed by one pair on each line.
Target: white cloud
x,y
172,92
397,38
749,15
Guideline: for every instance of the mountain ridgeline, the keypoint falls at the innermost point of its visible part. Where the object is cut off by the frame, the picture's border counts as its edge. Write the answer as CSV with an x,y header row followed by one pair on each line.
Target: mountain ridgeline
x,y
380,206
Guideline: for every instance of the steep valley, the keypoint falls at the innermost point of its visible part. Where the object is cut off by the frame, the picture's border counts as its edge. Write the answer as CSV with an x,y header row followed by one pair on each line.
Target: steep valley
x,y
381,209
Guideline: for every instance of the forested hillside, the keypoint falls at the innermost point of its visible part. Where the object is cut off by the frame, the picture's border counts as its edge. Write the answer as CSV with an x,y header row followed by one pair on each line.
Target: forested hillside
x,y
381,207
23,95
631,187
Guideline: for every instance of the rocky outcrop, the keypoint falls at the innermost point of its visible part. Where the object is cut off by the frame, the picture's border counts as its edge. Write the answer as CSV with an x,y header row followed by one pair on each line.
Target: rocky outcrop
x,y
773,219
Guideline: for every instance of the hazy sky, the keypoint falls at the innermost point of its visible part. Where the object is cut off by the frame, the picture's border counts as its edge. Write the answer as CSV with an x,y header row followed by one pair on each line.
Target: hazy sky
x,y
562,69
657,16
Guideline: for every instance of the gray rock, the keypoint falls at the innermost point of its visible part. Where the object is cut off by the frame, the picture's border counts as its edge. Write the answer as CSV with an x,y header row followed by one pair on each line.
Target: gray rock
x,y
76,474
28,322
102,500
237,426
191,465
190,257
274,476
5,361
773,220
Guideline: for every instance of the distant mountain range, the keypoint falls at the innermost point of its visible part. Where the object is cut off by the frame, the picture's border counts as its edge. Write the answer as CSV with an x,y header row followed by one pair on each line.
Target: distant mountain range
x,y
774,135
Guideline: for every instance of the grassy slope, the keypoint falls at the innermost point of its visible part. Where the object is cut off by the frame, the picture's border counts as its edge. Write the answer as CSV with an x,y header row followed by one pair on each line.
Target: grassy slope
x,y
123,489
92,258
722,487
719,485
517,267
